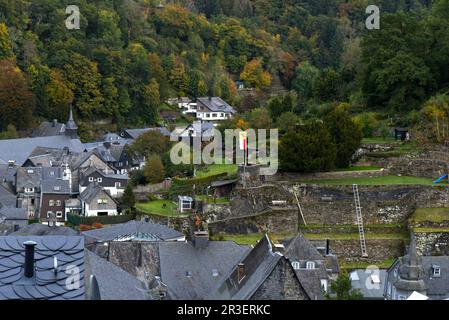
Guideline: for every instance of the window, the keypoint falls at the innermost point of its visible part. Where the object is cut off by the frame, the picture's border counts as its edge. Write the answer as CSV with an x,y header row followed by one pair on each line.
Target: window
x,y
436,271
118,184
31,171
57,188
324,285
296,265
222,115
395,272
207,115
214,115
58,214
58,203
29,190
91,179
310,265
49,214
102,201
52,173
215,273
100,179
51,203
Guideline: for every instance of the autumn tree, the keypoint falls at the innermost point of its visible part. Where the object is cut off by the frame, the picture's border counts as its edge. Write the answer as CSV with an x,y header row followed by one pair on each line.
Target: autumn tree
x,y
60,96
178,76
17,102
85,82
254,75
151,142
5,43
154,170
260,119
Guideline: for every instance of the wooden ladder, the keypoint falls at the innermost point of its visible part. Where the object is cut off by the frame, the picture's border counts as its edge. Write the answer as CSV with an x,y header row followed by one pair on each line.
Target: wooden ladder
x,y
358,211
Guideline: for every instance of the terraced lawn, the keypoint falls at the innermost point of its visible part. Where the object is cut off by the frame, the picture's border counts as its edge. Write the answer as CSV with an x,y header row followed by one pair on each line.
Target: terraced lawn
x,y
385,264
367,181
250,239
355,236
159,207
430,214
216,169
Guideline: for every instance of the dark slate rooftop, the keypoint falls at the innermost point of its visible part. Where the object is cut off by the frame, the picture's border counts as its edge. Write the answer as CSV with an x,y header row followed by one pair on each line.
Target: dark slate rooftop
x,y
46,283
216,104
191,273
360,278
58,186
7,173
114,283
11,213
134,230
90,192
7,199
259,263
18,150
48,129
437,287
135,133
300,250
37,229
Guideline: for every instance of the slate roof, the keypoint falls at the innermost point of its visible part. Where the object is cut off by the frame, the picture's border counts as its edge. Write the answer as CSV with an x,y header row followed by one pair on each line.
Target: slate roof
x,y
136,133
58,186
7,173
360,278
48,129
7,199
114,283
90,192
215,104
46,285
259,263
437,287
37,229
134,229
188,272
18,150
301,250
10,213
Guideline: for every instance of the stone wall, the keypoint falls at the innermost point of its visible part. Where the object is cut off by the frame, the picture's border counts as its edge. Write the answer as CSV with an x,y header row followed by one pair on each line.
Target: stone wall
x,y
433,243
334,205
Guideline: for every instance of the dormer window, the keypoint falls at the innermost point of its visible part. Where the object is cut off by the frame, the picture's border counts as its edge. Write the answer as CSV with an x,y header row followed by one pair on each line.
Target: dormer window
x,y
29,190
436,271
310,265
215,273
296,265
100,179
91,179
57,188
52,173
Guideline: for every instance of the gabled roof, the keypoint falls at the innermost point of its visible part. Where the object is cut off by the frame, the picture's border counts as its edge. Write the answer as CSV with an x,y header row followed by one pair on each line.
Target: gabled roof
x,y
191,273
38,229
46,284
83,157
437,287
18,150
48,129
114,283
134,229
259,263
91,191
215,104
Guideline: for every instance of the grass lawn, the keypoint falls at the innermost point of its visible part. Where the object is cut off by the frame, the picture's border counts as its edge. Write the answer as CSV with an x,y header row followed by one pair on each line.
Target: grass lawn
x,y
216,169
385,180
355,236
360,168
430,214
431,230
157,207
250,239
385,264
379,140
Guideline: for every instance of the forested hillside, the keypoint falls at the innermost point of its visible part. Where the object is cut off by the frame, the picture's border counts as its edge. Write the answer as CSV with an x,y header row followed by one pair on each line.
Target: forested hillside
x,y
129,56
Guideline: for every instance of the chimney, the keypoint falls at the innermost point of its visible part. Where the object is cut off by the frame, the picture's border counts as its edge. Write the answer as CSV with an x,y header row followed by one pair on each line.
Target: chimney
x,y
240,272
201,239
327,247
52,220
29,258
54,122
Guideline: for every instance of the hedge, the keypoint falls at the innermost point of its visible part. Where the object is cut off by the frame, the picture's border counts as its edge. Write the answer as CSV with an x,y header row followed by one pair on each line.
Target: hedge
x,y
77,220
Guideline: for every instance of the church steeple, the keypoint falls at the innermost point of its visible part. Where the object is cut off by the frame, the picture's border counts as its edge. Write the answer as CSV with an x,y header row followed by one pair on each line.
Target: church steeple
x,y
71,129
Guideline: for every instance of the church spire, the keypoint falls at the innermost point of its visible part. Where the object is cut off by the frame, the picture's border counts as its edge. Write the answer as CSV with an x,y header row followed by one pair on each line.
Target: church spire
x,y
71,129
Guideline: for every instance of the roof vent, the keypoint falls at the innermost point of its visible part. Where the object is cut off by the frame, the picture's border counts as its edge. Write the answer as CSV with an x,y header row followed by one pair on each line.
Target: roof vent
x,y
241,272
29,258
